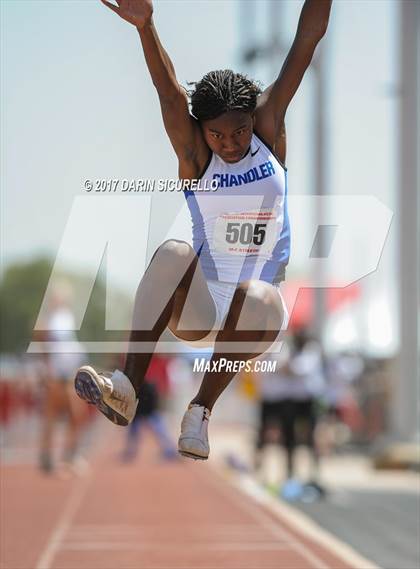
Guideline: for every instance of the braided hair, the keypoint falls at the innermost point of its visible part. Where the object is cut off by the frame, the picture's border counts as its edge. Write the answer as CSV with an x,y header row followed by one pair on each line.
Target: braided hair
x,y
221,91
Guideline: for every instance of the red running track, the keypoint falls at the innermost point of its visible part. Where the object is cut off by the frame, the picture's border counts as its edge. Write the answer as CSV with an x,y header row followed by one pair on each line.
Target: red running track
x,y
145,515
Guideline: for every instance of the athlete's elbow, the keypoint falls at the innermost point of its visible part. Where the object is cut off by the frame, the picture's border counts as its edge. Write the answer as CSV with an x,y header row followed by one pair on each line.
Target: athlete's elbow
x,y
321,29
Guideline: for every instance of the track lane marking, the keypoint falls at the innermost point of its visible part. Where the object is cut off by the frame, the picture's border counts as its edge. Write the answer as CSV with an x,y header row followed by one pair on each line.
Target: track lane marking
x,y
257,513
301,523
158,546
63,524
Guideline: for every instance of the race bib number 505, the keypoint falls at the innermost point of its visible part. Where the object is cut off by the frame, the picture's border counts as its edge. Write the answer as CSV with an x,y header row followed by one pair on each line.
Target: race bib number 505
x,y
246,233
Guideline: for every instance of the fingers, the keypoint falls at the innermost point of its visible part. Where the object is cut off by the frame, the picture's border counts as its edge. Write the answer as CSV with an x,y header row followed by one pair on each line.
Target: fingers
x,y
112,6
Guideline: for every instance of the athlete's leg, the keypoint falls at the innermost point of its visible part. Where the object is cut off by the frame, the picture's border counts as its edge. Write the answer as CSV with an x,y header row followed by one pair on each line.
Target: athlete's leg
x,y
173,278
308,412
265,414
157,424
51,410
133,438
76,421
259,306
173,274
288,420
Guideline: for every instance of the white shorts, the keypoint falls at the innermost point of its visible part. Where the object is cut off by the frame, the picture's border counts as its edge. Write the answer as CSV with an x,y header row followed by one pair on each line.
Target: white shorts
x,y
222,294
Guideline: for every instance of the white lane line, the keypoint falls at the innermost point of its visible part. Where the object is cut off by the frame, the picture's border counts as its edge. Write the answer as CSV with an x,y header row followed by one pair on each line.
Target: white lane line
x,y
134,528
63,524
254,533
174,547
256,512
105,528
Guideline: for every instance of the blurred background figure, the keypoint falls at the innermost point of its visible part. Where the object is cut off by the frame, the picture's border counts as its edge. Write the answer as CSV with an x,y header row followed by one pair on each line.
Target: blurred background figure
x,y
343,413
149,415
59,400
289,408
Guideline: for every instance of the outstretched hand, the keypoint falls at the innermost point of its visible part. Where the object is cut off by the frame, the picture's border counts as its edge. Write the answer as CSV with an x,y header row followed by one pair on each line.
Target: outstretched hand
x,y
137,12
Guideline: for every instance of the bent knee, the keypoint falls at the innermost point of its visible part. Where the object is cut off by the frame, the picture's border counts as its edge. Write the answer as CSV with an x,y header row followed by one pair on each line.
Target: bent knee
x,y
172,259
174,248
173,254
258,294
259,301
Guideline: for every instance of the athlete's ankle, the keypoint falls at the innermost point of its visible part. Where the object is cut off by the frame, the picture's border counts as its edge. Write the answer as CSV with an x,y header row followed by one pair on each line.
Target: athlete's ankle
x,y
135,382
118,372
201,403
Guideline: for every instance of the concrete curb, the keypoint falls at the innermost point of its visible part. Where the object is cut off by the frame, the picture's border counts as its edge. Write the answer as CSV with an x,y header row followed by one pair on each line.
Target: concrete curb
x,y
297,520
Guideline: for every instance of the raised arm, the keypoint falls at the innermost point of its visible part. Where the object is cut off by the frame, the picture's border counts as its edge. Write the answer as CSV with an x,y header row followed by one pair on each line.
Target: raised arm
x,y
183,130
274,101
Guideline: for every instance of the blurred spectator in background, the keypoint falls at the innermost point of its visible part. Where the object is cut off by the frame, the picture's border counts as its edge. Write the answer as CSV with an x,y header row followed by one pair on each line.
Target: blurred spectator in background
x,y
345,419
19,395
59,399
6,392
289,401
149,415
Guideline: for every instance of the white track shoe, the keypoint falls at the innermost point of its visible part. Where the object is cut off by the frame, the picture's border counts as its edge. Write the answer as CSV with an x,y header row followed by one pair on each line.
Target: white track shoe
x,y
193,441
113,394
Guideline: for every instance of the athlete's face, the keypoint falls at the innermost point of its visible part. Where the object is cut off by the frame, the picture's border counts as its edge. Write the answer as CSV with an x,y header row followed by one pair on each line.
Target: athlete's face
x,y
229,136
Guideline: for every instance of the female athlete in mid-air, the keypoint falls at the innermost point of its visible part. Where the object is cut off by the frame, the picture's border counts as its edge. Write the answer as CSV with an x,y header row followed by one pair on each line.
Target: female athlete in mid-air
x,y
225,289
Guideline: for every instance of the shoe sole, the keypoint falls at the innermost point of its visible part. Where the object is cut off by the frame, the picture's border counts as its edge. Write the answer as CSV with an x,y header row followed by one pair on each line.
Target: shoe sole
x,y
190,455
87,388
